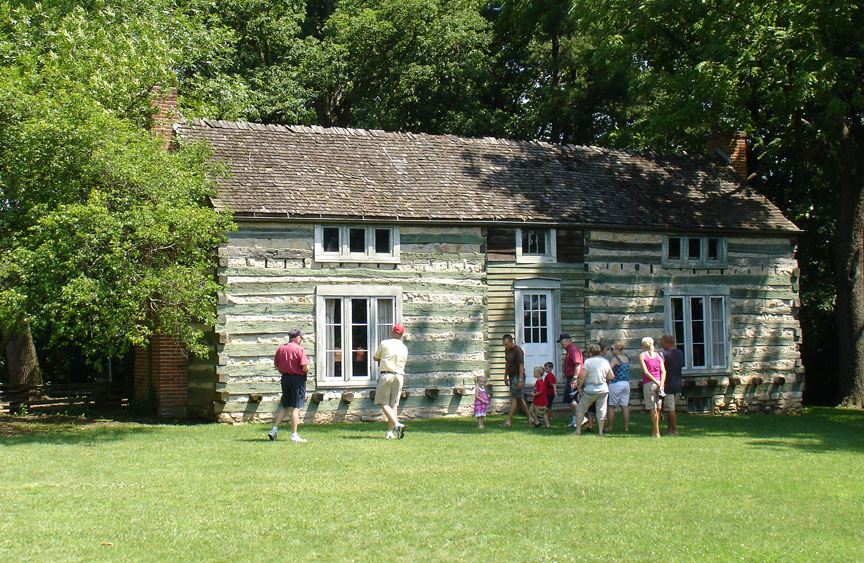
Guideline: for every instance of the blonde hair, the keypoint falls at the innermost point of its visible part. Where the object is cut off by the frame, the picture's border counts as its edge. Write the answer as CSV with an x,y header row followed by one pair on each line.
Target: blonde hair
x,y
648,343
480,380
618,346
538,369
594,350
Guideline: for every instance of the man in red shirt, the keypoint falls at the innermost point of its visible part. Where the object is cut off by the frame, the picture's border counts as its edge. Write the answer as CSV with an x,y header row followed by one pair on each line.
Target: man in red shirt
x,y
292,363
572,369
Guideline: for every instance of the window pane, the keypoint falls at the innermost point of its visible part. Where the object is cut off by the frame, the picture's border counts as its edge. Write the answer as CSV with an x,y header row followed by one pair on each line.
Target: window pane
x,y
386,316
678,325
713,249
533,242
382,241
333,337
541,242
331,239
694,248
697,330
674,248
718,332
359,338
357,240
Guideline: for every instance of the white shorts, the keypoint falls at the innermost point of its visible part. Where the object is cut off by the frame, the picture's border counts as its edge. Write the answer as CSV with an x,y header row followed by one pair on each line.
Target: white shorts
x,y
619,394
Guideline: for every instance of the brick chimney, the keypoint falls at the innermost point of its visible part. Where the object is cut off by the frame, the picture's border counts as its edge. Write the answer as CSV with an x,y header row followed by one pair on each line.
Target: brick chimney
x,y
731,147
164,101
161,372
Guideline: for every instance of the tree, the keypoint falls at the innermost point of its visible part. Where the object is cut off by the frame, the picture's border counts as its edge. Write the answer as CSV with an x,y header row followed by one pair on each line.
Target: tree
x,y
105,237
788,72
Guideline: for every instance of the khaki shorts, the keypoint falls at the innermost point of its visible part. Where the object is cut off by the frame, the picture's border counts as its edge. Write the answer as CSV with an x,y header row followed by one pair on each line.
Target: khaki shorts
x,y
670,400
538,412
598,399
651,395
389,389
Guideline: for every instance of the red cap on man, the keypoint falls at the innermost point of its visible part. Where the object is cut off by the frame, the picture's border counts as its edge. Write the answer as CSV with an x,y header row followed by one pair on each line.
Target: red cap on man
x,y
398,329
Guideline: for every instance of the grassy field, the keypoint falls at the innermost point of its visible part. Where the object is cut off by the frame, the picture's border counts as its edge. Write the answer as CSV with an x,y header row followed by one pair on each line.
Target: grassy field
x,y
751,488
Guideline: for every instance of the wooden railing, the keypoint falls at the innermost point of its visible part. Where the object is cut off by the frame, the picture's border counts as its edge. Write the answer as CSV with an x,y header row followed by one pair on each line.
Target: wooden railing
x,y
58,397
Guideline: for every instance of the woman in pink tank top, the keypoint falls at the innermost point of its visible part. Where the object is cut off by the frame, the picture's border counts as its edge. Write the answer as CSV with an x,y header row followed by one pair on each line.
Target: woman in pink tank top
x,y
653,379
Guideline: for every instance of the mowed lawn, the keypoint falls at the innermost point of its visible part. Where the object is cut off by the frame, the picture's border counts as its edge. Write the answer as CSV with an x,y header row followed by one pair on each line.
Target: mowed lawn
x,y
750,488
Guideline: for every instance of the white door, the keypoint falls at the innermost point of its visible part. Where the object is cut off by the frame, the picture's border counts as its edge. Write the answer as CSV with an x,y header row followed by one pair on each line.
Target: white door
x,y
534,329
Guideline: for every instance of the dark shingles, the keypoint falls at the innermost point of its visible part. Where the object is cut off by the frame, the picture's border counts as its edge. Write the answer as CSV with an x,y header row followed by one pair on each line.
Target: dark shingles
x,y
312,172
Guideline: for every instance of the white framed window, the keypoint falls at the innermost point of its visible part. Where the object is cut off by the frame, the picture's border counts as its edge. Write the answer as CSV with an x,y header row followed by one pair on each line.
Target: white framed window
x,y
694,251
356,243
535,245
351,321
699,322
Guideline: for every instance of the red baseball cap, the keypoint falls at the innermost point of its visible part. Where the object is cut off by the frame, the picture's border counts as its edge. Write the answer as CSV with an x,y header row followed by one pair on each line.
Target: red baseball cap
x,y
398,329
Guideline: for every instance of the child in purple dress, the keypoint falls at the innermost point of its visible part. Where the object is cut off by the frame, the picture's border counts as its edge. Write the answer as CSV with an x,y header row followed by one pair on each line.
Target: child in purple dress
x,y
481,399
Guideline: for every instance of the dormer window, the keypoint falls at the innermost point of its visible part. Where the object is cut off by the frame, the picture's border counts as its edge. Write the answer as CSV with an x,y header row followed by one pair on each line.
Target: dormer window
x,y
355,243
535,245
690,251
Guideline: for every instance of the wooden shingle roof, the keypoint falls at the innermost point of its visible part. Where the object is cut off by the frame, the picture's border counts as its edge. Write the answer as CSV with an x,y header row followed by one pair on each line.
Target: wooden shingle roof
x,y
316,173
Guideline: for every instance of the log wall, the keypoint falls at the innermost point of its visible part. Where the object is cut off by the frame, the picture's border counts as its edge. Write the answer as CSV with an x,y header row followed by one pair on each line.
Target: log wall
x,y
625,300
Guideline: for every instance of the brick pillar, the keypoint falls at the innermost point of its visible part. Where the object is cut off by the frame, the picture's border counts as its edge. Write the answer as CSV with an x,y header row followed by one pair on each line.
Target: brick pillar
x,y
161,376
733,144
165,102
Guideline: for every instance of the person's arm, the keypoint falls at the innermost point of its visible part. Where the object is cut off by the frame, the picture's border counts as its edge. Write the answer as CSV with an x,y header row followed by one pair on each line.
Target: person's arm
x,y
521,377
662,372
581,379
610,375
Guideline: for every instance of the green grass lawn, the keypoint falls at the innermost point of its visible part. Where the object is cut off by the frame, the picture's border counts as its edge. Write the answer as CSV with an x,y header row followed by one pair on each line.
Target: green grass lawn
x,y
748,487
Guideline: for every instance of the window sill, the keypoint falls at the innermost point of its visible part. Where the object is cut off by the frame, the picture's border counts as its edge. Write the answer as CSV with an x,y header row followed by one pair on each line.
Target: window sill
x,y
340,384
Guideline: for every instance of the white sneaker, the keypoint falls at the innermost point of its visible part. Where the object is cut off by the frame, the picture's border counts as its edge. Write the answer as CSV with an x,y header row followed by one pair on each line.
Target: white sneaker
x,y
390,436
296,438
571,424
584,420
272,434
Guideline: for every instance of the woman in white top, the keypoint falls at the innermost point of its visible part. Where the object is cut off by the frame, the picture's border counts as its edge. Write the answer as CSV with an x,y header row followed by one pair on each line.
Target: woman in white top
x,y
594,387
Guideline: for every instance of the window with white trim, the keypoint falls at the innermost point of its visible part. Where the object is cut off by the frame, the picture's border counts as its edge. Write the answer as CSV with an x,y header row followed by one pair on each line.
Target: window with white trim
x,y
699,325
356,243
351,323
535,245
694,251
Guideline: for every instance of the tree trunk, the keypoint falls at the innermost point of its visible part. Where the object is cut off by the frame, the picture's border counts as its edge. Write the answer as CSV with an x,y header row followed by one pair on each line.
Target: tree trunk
x,y
849,306
21,357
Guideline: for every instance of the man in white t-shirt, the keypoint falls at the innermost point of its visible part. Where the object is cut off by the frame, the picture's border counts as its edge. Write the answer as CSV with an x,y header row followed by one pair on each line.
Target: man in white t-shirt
x,y
391,355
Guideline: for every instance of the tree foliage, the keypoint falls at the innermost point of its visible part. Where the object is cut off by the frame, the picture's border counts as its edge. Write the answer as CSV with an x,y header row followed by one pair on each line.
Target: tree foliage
x,y
105,237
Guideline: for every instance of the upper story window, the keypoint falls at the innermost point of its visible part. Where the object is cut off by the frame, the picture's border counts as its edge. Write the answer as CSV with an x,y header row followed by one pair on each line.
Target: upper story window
x,y
535,245
694,251
355,243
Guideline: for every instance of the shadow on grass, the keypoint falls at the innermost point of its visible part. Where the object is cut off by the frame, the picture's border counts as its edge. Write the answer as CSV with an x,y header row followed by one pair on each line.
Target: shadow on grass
x,y
818,430
61,429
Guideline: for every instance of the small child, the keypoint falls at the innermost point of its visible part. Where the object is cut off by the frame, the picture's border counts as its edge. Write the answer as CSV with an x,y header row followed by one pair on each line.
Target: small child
x,y
551,383
481,399
539,406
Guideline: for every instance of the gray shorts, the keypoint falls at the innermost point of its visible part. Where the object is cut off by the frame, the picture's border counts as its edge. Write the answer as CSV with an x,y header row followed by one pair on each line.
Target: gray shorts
x,y
515,392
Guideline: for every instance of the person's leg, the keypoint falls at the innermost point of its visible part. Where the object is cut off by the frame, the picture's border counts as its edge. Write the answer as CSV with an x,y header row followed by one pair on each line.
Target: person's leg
x,y
579,414
390,413
626,410
523,405
672,422
610,416
602,409
295,420
511,412
280,416
546,419
655,422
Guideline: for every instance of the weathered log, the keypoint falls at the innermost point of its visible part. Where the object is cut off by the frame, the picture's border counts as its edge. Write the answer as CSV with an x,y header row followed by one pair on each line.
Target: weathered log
x,y
779,380
347,397
317,397
405,394
461,391
432,393
255,397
